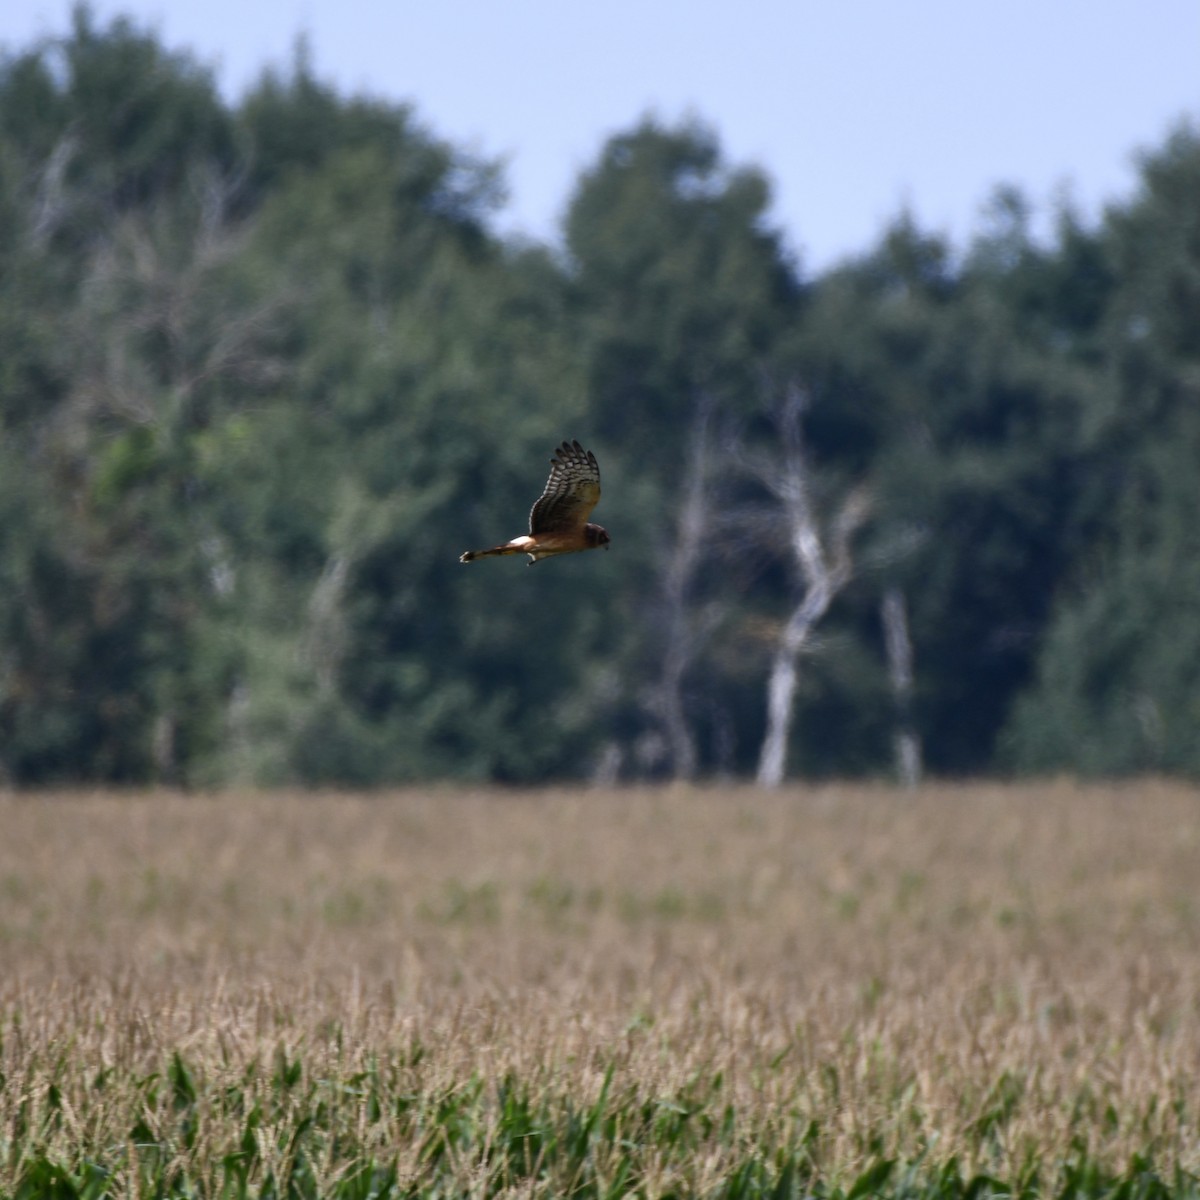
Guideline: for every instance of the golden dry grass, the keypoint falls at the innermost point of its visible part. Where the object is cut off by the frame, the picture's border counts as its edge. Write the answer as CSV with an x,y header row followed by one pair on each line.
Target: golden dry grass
x,y
1009,976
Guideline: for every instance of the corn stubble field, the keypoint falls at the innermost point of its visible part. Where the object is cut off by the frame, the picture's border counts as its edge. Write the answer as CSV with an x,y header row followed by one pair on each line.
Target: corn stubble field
x,y
835,991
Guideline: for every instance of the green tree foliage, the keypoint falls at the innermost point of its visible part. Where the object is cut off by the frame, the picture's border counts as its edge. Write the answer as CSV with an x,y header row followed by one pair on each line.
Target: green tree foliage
x,y
948,387
682,286
266,370
681,292
1119,682
411,426
137,346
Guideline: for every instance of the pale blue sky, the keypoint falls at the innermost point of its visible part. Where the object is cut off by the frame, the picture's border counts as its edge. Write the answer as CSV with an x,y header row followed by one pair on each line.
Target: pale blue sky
x,y
854,108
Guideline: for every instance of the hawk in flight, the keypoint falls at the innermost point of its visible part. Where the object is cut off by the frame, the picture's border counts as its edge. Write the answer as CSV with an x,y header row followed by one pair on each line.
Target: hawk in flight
x,y
558,522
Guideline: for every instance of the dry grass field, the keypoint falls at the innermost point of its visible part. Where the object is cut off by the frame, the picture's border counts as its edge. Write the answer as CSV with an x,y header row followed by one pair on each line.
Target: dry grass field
x,y
834,991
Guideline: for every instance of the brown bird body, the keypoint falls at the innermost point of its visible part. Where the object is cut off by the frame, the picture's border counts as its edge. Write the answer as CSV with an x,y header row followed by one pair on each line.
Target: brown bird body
x,y
558,521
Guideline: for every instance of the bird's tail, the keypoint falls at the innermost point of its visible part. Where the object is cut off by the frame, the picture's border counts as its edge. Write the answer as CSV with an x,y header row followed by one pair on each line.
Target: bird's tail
x,y
507,548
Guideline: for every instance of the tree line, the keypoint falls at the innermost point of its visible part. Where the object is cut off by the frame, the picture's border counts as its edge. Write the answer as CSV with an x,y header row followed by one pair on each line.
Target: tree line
x,y
266,369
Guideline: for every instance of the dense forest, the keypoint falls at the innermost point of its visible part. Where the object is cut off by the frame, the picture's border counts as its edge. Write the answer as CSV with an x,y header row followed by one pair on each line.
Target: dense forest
x,y
266,369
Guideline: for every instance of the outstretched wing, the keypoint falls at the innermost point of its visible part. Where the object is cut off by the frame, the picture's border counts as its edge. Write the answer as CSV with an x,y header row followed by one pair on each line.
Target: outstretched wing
x,y
571,492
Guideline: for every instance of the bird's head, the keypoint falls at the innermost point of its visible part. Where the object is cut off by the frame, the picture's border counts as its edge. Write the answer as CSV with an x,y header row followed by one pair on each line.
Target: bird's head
x,y
596,535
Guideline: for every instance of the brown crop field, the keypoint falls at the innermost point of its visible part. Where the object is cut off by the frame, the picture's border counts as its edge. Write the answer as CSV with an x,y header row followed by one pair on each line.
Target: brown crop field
x,y
835,990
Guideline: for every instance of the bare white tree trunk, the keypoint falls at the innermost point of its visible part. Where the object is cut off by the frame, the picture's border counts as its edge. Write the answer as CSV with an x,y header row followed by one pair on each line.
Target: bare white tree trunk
x,y
823,566
781,687
898,645
685,630
52,203
325,639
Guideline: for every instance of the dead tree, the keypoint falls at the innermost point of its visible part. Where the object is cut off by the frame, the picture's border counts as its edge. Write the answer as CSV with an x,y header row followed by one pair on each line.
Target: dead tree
x,y
822,564
53,202
686,626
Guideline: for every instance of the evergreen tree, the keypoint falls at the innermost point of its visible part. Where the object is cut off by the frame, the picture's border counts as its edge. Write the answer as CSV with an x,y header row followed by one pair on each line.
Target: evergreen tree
x,y
1118,688
265,371
682,293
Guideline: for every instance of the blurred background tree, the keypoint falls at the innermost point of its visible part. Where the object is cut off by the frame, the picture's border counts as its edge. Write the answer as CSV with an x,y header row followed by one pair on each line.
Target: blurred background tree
x,y
266,369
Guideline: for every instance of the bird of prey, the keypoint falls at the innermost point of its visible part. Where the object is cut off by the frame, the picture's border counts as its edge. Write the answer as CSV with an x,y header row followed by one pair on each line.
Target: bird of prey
x,y
558,522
